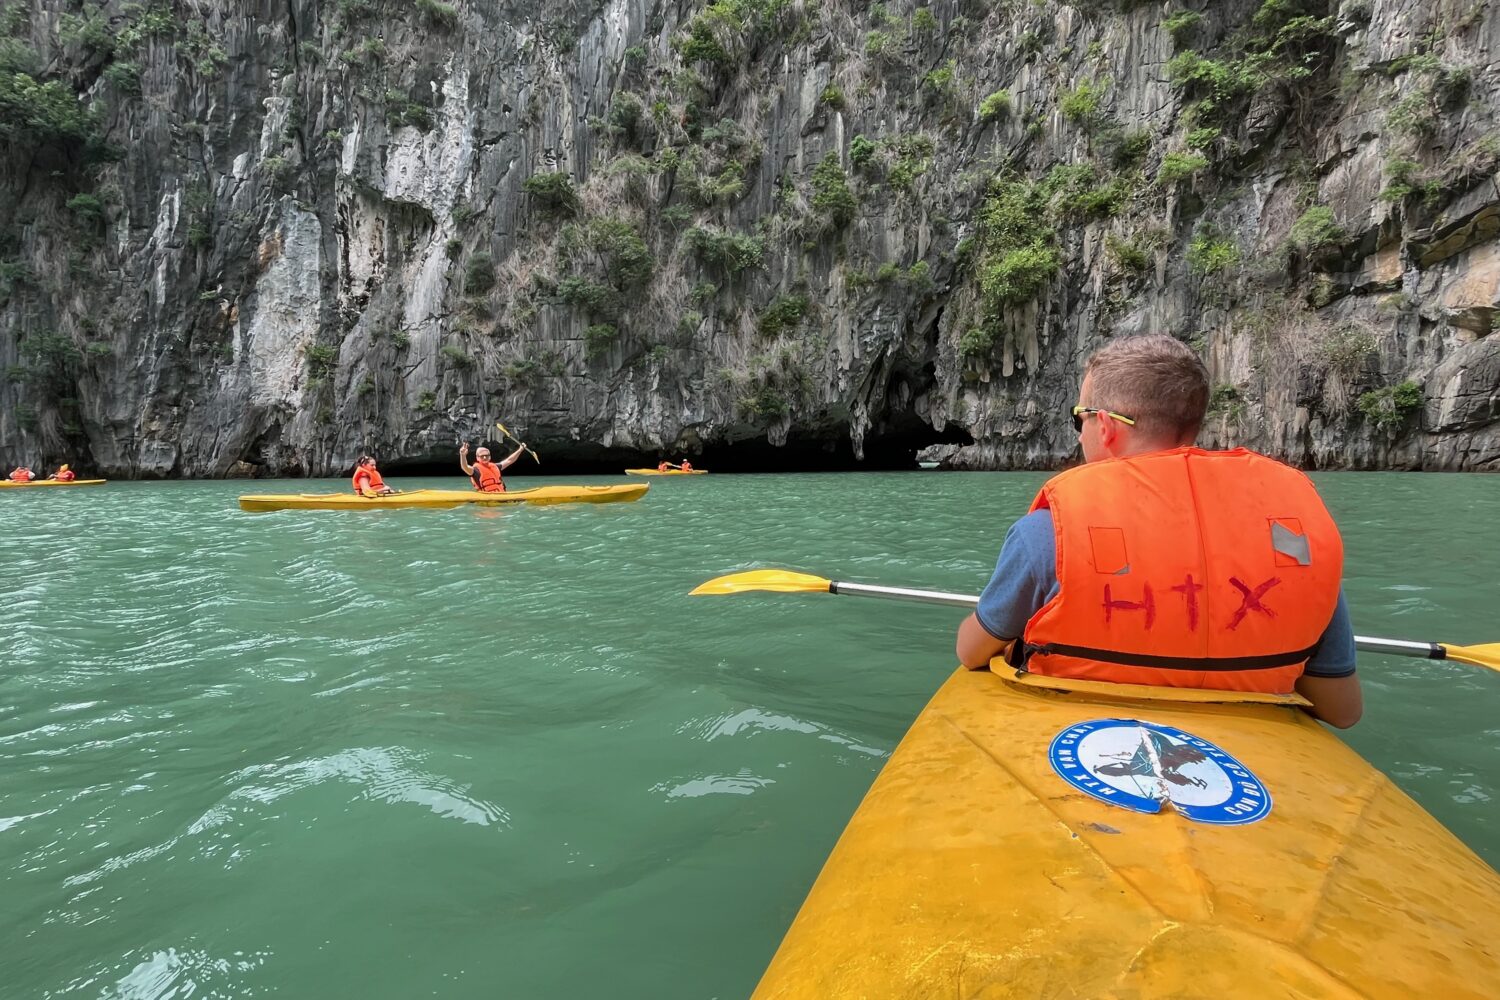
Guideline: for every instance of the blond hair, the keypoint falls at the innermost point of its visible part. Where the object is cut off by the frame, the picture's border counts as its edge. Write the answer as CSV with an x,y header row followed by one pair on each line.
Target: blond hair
x,y
1154,379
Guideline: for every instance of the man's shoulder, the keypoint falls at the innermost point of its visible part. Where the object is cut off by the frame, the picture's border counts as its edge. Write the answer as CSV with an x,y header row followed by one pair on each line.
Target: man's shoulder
x,y
1034,521
1033,531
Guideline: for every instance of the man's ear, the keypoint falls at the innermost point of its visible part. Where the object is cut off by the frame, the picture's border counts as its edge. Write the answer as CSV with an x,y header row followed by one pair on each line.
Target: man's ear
x,y
1109,431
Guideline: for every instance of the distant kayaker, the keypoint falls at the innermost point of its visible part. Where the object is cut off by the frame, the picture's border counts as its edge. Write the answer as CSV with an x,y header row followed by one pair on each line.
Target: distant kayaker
x,y
367,481
663,466
21,474
1159,563
64,475
484,472
686,466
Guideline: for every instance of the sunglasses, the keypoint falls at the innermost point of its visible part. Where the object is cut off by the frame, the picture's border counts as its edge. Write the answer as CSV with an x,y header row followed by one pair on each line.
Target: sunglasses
x,y
1079,411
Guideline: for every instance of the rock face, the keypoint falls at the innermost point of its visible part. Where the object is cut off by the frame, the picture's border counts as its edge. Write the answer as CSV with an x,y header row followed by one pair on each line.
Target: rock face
x,y
260,238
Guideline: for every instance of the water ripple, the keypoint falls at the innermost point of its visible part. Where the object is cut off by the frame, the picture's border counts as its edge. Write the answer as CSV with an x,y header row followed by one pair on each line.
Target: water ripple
x,y
385,773
743,783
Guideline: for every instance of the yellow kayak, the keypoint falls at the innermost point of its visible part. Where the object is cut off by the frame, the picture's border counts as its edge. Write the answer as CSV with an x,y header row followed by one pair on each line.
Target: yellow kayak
x,y
669,472
444,499
6,484
1008,849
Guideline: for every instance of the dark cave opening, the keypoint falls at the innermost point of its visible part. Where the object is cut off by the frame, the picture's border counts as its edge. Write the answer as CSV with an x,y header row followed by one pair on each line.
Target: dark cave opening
x,y
891,447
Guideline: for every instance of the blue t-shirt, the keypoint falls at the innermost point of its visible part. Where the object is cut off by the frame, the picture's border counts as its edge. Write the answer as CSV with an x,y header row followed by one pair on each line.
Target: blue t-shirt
x,y
1026,578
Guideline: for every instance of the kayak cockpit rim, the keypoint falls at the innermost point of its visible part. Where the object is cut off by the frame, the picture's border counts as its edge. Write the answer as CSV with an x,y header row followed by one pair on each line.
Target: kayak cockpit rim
x,y
1141,692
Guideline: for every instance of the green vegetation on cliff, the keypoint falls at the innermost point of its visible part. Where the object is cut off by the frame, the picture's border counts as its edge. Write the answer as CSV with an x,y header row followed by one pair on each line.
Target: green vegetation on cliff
x,y
954,200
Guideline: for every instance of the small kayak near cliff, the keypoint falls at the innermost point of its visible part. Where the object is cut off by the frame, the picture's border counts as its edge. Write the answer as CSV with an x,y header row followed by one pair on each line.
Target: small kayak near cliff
x,y
8,485
668,472
444,499
1034,837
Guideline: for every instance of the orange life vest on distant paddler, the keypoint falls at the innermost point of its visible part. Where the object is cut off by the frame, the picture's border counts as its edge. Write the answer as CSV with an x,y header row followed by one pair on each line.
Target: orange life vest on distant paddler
x,y
1186,568
372,480
487,477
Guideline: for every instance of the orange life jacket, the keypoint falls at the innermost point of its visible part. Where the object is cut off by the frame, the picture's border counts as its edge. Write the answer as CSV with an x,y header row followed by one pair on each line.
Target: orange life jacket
x,y
375,483
686,466
662,467
1186,568
65,477
487,477
21,476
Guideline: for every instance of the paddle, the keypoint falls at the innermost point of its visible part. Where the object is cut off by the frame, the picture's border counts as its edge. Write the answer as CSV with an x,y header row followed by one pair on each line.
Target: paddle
x,y
788,582
501,428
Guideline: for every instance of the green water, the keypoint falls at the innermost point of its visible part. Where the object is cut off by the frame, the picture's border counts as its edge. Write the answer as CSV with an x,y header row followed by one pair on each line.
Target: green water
x,y
500,752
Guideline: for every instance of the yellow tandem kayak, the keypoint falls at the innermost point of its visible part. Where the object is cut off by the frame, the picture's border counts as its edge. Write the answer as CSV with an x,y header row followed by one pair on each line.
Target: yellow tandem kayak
x,y
444,499
6,484
669,472
1008,849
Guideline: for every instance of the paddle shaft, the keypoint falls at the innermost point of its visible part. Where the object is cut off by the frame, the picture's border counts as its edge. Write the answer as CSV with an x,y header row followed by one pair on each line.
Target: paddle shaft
x,y
904,594
501,428
1392,647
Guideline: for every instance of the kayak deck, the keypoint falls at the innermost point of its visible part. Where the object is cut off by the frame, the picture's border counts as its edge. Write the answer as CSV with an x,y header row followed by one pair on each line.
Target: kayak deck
x,y
7,484
973,869
669,472
445,499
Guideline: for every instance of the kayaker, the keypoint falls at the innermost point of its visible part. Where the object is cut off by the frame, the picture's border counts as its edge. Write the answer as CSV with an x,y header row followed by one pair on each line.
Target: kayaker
x,y
686,466
1159,563
21,474
484,472
64,475
367,481
663,466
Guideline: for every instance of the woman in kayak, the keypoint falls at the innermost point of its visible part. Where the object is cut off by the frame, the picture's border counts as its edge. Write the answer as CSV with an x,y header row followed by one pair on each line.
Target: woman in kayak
x,y
367,481
663,465
21,474
64,475
484,472
1159,563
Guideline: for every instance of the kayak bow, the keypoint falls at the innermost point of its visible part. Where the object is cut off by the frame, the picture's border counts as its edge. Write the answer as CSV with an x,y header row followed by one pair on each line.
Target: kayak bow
x,y
1033,837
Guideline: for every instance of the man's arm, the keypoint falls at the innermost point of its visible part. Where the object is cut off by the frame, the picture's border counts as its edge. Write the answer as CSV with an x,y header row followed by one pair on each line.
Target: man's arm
x,y
1329,680
508,460
1025,578
463,459
1338,701
976,647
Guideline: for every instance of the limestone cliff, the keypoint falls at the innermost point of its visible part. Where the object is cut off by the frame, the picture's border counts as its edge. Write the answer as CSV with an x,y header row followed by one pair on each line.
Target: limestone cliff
x,y
241,238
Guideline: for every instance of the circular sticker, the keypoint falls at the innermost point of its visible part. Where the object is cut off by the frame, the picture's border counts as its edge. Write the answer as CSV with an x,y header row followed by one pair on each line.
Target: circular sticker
x,y
1138,765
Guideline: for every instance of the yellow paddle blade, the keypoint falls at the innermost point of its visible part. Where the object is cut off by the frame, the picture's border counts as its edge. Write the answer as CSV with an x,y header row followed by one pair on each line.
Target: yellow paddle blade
x,y
782,581
1480,656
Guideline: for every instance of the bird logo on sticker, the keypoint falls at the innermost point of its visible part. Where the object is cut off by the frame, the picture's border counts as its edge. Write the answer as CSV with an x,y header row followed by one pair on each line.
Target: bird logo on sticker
x,y
1140,765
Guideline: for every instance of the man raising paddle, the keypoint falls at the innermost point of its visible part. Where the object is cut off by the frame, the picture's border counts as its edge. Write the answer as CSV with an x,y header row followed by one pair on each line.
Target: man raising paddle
x,y
1159,563
484,472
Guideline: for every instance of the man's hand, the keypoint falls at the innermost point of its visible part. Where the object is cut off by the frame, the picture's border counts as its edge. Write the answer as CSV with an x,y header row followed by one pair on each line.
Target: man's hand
x,y
463,451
